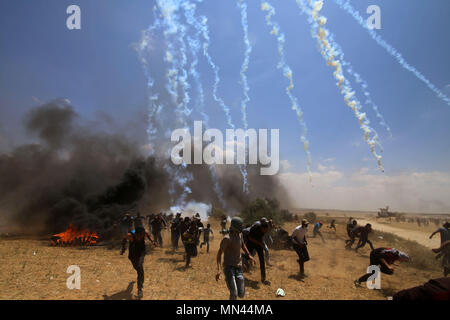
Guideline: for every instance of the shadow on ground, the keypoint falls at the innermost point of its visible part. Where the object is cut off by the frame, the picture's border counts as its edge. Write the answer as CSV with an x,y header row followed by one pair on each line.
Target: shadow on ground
x,y
122,295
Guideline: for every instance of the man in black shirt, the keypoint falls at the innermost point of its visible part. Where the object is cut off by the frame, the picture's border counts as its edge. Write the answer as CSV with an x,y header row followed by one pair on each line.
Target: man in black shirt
x,y
175,230
158,224
190,240
136,254
253,238
363,234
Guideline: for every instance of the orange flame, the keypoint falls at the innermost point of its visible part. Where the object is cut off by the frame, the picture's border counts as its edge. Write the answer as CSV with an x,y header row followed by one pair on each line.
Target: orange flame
x,y
74,237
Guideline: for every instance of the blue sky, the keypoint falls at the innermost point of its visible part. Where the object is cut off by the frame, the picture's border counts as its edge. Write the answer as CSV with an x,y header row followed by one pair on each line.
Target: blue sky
x,y
97,69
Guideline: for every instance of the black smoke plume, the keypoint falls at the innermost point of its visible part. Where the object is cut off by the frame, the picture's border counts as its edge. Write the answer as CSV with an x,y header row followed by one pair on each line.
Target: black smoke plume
x,y
77,174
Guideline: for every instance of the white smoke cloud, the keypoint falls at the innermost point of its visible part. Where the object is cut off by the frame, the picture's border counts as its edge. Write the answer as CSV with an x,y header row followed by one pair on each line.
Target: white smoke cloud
x,y
425,192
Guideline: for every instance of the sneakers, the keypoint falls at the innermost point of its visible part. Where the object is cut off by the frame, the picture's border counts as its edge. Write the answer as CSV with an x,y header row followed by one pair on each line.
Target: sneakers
x,y
357,284
140,294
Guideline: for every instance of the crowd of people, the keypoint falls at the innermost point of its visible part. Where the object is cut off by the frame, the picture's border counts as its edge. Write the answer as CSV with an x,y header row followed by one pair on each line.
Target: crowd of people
x,y
240,245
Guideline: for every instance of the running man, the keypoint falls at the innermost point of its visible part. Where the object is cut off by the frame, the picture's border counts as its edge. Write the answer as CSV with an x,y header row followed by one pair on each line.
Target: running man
x,y
350,228
136,254
158,224
384,258
254,242
206,233
316,230
230,247
363,234
300,245
332,225
190,240
126,227
444,231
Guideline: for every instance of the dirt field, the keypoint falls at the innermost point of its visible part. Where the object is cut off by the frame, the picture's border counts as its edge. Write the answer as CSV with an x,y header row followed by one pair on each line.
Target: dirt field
x,y
31,269
408,231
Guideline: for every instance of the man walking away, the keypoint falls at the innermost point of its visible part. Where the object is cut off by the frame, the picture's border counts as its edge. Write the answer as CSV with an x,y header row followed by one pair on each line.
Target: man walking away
x,y
300,245
230,247
363,234
384,258
158,224
206,233
254,242
175,231
190,242
136,254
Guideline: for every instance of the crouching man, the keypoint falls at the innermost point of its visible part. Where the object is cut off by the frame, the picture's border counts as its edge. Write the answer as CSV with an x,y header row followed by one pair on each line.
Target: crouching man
x,y
230,247
384,258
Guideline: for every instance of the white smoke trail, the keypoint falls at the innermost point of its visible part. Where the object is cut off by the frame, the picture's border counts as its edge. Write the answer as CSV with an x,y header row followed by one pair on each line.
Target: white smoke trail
x,y
287,72
154,107
363,84
345,5
200,24
248,49
329,53
195,47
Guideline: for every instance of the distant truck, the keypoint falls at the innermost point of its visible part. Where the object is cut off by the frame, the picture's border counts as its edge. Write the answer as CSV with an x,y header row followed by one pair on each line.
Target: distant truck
x,y
385,213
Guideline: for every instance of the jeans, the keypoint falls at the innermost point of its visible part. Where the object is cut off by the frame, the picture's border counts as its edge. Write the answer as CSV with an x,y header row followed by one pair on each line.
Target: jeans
x,y
138,265
252,247
235,281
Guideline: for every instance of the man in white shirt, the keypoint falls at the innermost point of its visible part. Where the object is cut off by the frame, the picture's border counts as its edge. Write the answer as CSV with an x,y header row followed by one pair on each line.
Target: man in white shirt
x,y
300,245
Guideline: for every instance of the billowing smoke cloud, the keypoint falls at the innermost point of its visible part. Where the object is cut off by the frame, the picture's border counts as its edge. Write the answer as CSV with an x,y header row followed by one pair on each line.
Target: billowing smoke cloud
x,y
75,174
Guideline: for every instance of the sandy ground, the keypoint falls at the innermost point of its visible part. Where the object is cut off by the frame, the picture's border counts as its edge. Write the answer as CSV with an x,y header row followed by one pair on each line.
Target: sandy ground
x,y
31,269
406,231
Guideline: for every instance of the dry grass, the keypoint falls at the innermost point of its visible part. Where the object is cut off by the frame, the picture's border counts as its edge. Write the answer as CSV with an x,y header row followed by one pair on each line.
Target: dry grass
x,y
31,269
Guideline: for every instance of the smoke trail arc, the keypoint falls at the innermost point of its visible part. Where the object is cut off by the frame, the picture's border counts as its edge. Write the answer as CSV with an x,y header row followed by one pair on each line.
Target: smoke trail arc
x,y
346,6
200,24
288,73
328,52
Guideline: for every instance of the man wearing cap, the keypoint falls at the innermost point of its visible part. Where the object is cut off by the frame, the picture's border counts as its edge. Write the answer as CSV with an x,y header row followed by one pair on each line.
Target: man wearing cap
x,y
300,245
136,254
230,247
384,258
254,240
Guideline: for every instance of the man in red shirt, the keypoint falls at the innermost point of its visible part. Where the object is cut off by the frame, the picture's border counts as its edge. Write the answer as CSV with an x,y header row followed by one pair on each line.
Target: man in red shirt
x,y
384,258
